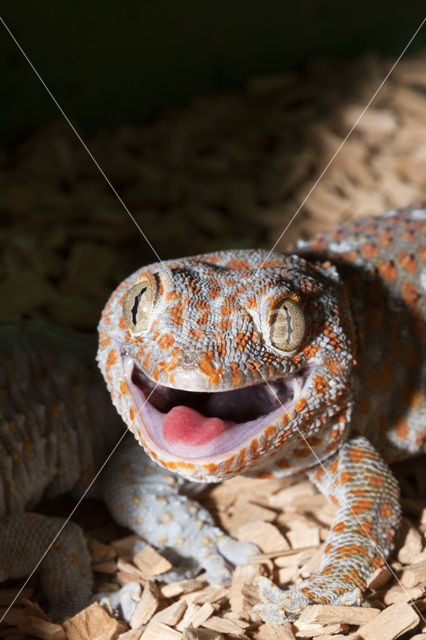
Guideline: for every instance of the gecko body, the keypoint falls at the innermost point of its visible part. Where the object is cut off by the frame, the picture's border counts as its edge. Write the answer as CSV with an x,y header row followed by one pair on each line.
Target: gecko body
x,y
268,364
235,362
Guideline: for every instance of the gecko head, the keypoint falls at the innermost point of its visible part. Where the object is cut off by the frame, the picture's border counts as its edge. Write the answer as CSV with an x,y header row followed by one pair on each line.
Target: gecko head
x,y
225,362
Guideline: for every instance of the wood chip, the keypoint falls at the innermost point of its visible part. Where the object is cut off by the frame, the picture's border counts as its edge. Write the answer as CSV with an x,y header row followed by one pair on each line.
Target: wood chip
x,y
318,630
379,578
414,574
93,623
174,589
264,534
171,614
390,623
328,614
301,538
150,562
195,615
241,588
224,625
146,607
404,594
273,631
160,631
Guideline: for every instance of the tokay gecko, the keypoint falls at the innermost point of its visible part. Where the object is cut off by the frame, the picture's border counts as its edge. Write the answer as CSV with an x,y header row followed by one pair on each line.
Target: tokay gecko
x,y
249,362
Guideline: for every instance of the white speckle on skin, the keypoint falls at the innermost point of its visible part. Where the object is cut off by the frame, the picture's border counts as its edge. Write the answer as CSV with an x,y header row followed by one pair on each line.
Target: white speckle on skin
x,y
418,214
423,279
341,247
388,214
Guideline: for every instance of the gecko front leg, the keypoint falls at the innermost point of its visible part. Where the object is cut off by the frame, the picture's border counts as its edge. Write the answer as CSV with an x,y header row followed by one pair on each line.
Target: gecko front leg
x,y
158,506
360,540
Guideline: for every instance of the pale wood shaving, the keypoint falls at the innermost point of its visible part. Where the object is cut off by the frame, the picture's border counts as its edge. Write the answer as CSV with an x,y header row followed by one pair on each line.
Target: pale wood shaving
x,y
147,605
150,562
195,615
390,623
327,614
93,623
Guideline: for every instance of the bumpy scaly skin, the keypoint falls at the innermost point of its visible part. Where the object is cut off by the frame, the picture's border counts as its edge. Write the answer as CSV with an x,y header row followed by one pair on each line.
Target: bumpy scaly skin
x,y
55,431
362,363
57,427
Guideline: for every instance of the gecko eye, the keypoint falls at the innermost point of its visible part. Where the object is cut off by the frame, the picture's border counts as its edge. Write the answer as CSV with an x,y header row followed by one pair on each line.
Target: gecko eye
x,y
287,325
137,306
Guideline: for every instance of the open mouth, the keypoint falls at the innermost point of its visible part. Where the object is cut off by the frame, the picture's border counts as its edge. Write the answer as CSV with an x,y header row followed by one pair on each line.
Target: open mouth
x,y
195,425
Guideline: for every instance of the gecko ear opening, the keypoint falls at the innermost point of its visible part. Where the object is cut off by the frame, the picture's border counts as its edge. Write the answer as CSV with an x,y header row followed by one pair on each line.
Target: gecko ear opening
x,y
137,306
287,325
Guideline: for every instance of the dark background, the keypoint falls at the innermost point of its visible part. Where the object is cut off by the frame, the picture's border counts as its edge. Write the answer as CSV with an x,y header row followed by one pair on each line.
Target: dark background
x,y
114,62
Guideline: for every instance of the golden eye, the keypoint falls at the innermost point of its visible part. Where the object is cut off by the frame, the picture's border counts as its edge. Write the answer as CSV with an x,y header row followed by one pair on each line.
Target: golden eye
x,y
137,306
288,325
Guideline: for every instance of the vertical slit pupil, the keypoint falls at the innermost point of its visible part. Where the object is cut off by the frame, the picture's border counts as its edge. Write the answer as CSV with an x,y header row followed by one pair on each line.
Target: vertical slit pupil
x,y
136,305
289,325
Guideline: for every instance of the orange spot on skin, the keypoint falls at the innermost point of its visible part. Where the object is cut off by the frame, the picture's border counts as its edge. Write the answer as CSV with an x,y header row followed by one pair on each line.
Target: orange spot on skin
x,y
211,467
123,387
270,431
310,350
112,358
369,250
166,341
240,265
407,261
132,414
299,406
228,462
214,374
251,303
176,314
345,477
197,333
388,271
333,366
334,466
172,295
321,385
361,505
170,465
236,374
104,339
285,419
254,445
376,481
385,511
122,323
356,454
339,527
377,562
410,294
241,341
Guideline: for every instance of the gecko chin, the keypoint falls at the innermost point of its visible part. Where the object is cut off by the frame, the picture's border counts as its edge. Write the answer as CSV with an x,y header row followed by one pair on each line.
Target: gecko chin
x,y
200,426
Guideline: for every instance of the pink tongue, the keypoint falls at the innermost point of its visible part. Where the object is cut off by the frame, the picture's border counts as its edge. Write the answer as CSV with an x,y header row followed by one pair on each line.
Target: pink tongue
x,y
183,425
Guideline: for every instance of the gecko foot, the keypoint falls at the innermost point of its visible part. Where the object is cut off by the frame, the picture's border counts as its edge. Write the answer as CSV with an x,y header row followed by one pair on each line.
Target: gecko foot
x,y
279,605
